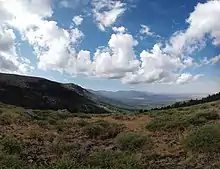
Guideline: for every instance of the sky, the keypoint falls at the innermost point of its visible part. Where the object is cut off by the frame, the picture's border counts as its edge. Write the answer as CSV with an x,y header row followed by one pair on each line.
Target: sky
x,y
161,46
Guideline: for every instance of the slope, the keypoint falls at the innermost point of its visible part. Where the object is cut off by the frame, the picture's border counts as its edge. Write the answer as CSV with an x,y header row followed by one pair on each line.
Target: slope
x,y
39,93
179,138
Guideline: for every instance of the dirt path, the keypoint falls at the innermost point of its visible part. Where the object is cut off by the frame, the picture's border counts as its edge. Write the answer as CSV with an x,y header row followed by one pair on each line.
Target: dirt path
x,y
133,123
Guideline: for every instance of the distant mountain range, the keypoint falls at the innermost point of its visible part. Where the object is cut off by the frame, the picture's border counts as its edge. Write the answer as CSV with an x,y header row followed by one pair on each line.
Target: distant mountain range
x,y
139,99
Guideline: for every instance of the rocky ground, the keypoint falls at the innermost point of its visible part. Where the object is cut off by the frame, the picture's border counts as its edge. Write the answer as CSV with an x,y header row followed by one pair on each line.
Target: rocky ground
x,y
184,138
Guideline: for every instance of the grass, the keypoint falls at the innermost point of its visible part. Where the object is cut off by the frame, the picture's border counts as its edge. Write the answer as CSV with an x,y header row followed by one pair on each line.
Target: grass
x,y
102,130
113,160
60,140
10,161
133,141
11,145
181,120
204,139
8,118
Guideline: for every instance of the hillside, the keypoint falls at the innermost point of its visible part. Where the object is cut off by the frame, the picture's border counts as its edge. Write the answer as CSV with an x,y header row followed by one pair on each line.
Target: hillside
x,y
39,93
179,138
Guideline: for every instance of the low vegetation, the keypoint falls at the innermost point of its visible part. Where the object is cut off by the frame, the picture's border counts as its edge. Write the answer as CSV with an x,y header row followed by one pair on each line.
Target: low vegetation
x,y
181,120
204,139
102,130
133,141
186,137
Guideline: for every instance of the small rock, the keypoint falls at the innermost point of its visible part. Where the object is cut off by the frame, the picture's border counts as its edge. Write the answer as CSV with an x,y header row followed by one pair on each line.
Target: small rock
x,y
112,147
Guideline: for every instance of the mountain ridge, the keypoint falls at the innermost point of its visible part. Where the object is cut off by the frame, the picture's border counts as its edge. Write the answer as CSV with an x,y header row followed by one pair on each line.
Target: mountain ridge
x,y
40,93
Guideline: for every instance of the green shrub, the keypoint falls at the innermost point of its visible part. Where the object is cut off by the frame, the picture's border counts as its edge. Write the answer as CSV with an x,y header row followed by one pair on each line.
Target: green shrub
x,y
165,122
10,161
204,139
42,122
8,118
133,141
113,160
81,123
102,129
11,145
177,121
83,115
62,147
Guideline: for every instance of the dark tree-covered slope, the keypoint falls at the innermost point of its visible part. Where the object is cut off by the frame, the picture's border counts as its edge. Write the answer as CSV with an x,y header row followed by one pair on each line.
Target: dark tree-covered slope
x,y
192,102
39,93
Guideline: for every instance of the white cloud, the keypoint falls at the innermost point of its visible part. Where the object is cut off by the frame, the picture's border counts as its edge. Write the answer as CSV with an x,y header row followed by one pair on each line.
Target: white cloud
x,y
26,14
78,20
211,61
186,77
84,64
9,61
215,59
204,20
145,30
118,59
165,65
56,47
156,67
53,45
73,3
106,13
64,3
120,29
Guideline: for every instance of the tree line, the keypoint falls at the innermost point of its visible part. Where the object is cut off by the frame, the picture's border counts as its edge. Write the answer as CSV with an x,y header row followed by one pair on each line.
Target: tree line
x,y
187,103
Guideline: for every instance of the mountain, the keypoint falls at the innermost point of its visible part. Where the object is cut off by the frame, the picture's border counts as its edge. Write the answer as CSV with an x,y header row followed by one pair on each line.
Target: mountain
x,y
40,93
139,99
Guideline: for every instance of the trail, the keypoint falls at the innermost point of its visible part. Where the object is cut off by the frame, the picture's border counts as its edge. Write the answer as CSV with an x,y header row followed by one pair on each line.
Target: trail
x,y
132,123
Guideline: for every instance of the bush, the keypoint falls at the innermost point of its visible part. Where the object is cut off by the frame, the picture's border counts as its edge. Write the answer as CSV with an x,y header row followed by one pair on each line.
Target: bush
x,y
11,145
204,139
62,147
10,161
8,118
102,130
113,160
177,121
81,123
133,141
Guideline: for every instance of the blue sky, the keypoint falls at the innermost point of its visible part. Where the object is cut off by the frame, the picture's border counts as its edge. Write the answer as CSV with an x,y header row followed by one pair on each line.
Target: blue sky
x,y
163,46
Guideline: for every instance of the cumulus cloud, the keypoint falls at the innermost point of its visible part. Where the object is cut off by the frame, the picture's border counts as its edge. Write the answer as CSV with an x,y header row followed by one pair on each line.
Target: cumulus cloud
x,y
78,20
204,20
211,61
165,65
106,13
53,46
120,29
64,3
56,47
145,30
156,67
9,61
118,58
186,77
